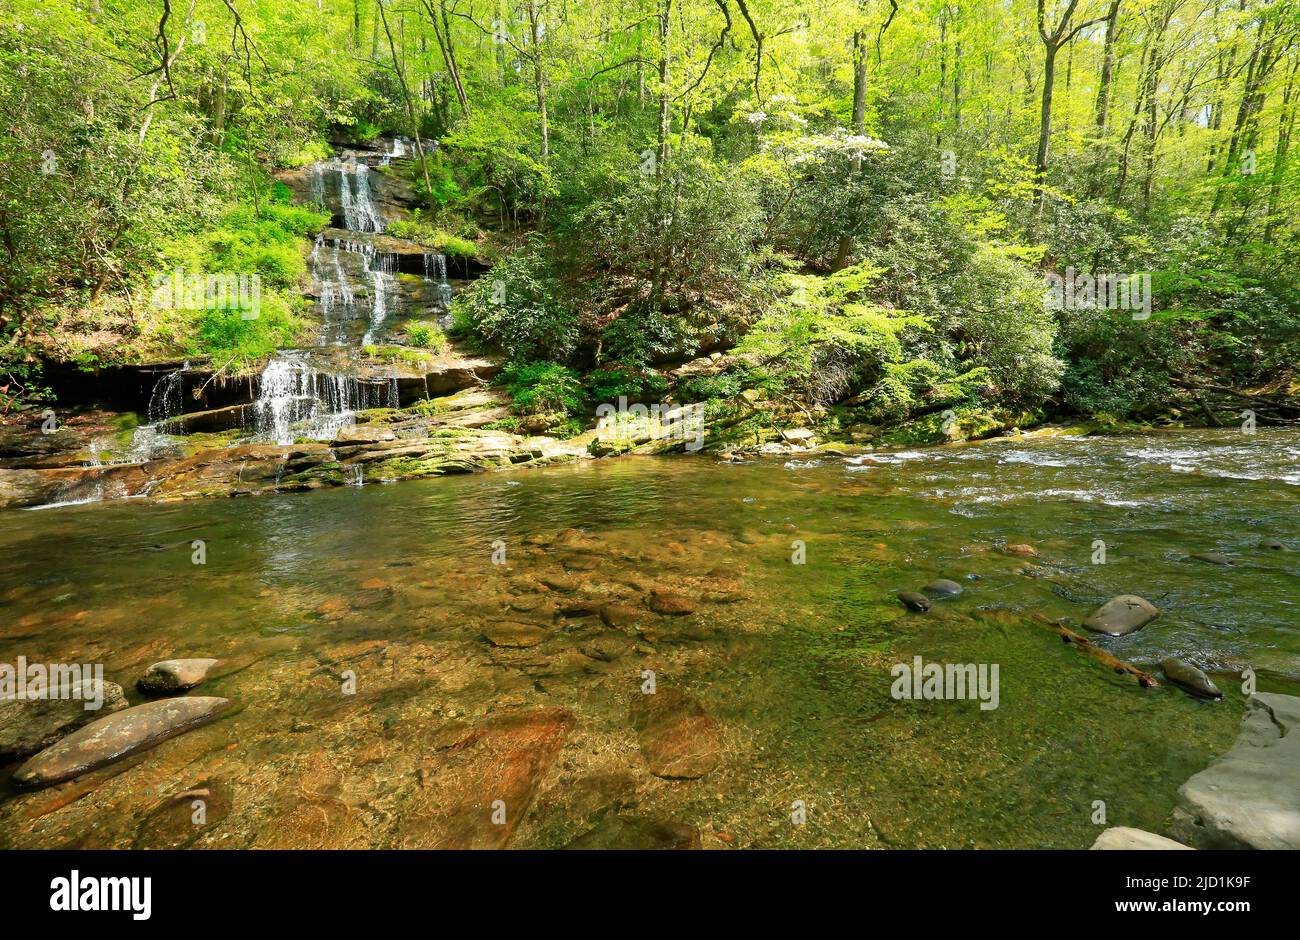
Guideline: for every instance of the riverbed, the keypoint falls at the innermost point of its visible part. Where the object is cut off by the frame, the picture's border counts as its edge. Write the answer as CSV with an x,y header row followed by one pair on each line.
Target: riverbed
x,y
777,660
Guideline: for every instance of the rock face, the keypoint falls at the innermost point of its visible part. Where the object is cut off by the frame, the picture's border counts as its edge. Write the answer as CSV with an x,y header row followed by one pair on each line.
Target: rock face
x,y
678,739
1125,838
116,736
1122,615
29,725
175,675
1186,676
1250,797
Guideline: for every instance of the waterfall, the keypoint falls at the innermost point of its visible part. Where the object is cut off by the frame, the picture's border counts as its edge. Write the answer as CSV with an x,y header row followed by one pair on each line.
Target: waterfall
x,y
337,299
383,267
360,214
297,400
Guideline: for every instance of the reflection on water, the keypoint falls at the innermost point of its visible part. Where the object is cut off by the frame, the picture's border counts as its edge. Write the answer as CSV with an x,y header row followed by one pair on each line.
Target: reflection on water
x,y
791,660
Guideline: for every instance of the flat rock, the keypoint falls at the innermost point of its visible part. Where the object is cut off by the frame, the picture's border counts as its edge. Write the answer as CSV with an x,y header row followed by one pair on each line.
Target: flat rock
x,y
942,587
175,675
514,634
1248,798
622,832
116,736
1122,615
671,603
914,601
1186,676
31,725
1127,838
607,647
679,740
620,615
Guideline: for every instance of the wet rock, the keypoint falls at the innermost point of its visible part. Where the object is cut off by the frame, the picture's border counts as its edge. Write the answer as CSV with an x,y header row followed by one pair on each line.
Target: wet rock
x,y
175,675
797,435
620,615
1122,615
31,725
1124,837
581,563
363,434
1273,545
476,793
1248,798
607,647
559,582
374,593
1186,676
942,587
1022,551
914,601
332,609
20,488
670,603
1213,558
621,832
678,739
116,736
513,634
580,606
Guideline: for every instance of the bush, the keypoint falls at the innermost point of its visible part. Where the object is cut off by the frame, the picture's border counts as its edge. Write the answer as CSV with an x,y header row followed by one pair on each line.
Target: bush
x,y
543,388
425,336
521,309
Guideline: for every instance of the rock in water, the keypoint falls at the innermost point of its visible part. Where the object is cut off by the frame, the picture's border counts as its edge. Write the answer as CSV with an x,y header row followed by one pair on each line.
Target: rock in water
x,y
514,634
1213,558
1123,837
1122,615
914,601
30,725
1187,676
678,739
116,736
1272,545
621,832
670,604
1022,551
942,587
175,675
1248,799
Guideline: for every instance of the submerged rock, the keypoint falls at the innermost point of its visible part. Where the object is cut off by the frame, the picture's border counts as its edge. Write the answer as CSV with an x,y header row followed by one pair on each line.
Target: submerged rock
x,y
1272,545
1186,676
620,615
1122,615
914,601
622,832
514,634
175,675
1213,558
678,739
1021,550
1248,798
1124,838
116,736
671,604
942,587
30,725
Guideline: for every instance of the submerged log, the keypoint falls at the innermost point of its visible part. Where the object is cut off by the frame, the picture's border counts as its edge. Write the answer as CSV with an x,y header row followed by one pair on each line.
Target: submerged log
x,y
1145,679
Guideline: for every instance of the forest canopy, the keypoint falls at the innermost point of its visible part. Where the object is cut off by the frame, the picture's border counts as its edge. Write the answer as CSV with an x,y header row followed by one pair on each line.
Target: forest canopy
x,y
859,200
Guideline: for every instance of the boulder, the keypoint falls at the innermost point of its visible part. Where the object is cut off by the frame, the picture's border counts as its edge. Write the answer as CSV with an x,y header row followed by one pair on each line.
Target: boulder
x,y
31,725
1186,676
942,587
1248,798
1126,838
1122,615
116,736
175,675
914,601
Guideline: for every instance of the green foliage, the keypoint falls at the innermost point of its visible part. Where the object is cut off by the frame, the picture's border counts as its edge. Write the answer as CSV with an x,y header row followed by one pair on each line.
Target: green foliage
x,y
521,308
426,336
543,388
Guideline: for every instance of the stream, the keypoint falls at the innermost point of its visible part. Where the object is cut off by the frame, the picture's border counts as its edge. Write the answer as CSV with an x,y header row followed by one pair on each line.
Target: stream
x,y
408,588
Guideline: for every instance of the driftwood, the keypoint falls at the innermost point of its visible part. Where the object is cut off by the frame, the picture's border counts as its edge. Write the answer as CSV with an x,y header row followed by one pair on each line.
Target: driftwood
x,y
1275,407
1145,679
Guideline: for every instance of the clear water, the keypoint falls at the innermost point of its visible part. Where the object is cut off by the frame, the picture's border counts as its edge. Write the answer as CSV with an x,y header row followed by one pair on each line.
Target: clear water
x,y
796,670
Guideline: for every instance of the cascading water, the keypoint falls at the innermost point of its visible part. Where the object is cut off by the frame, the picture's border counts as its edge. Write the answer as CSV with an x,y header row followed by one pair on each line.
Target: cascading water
x,y
298,400
383,267
151,439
